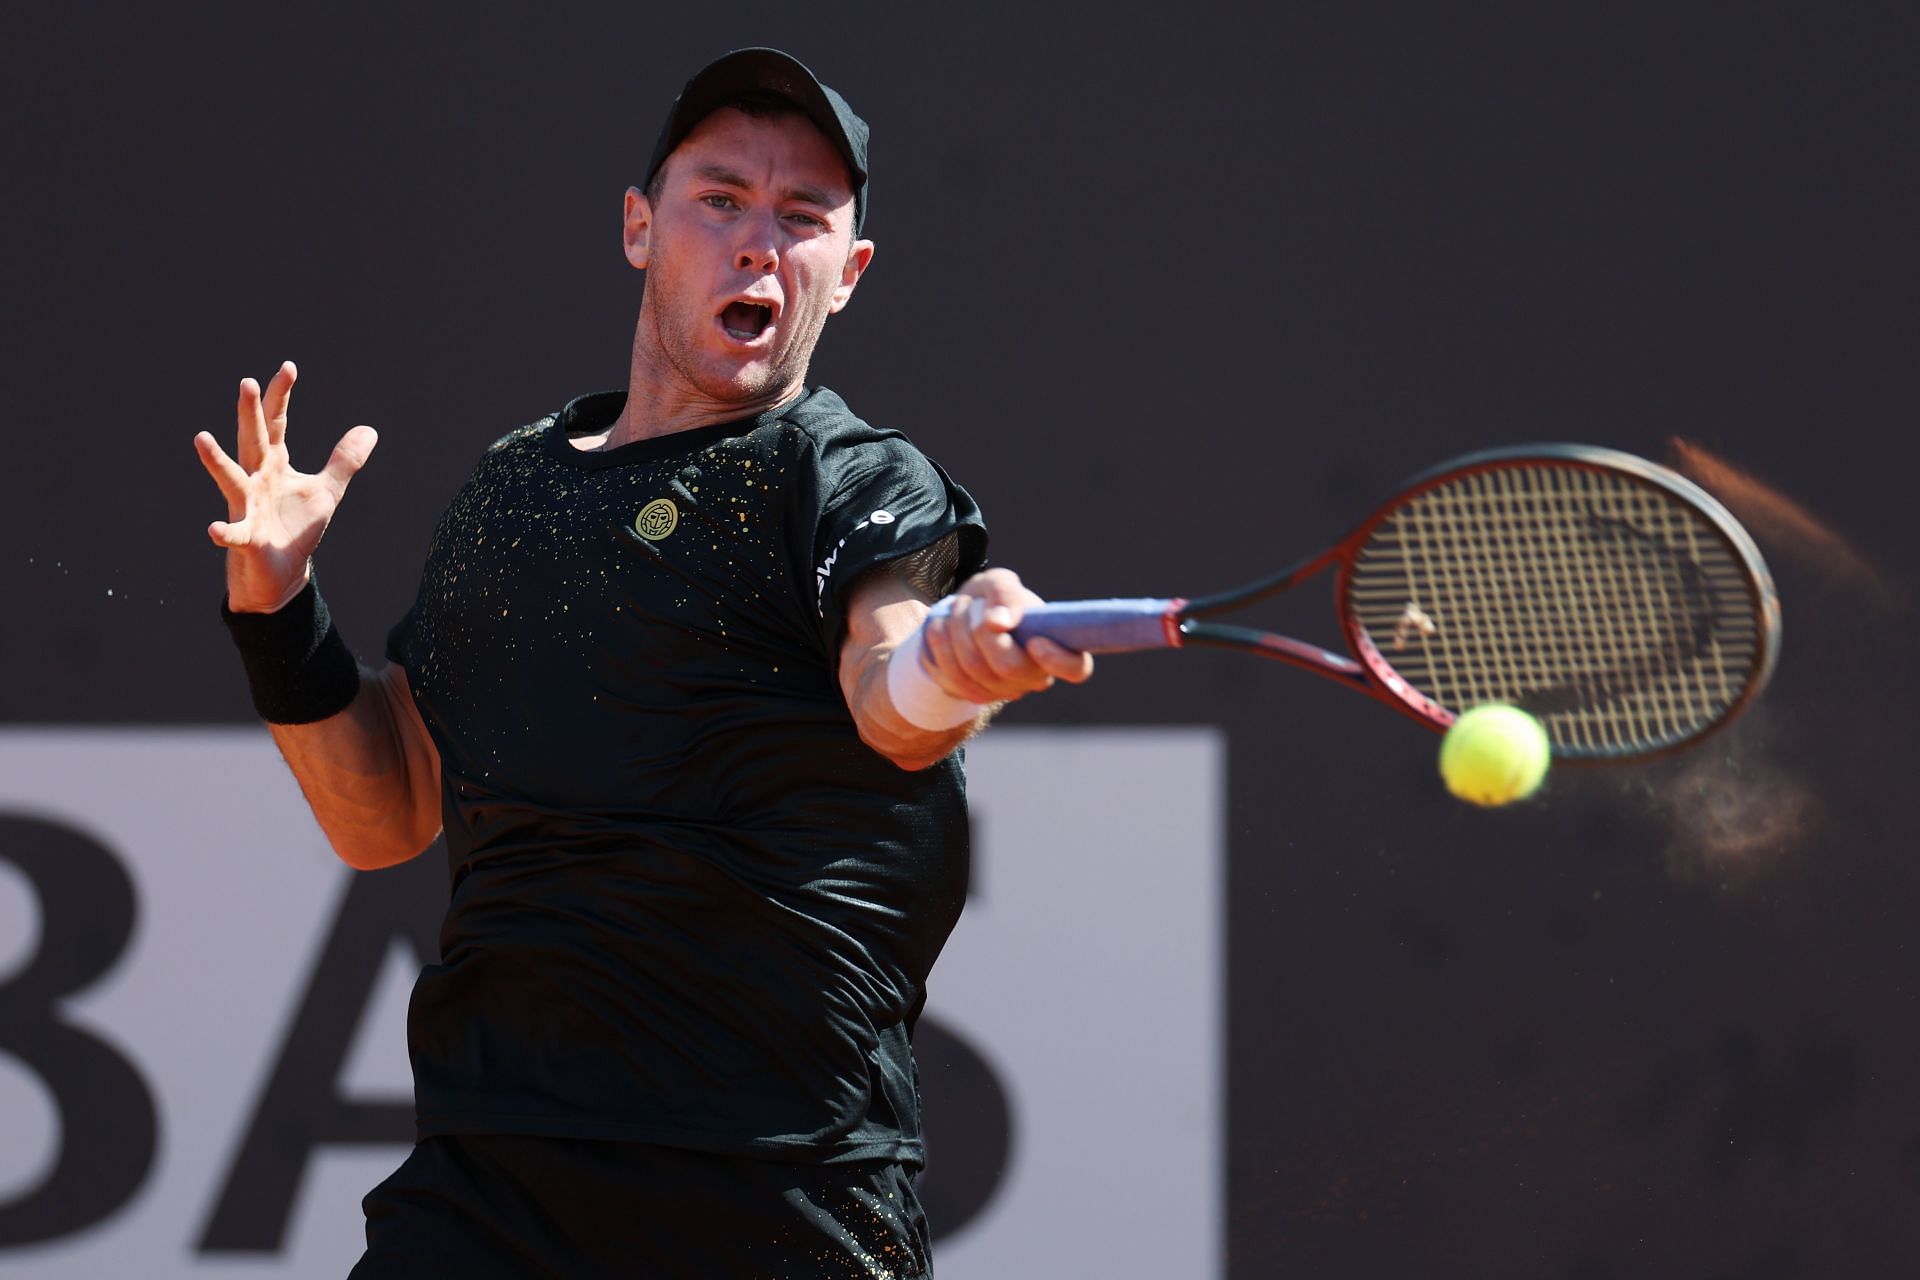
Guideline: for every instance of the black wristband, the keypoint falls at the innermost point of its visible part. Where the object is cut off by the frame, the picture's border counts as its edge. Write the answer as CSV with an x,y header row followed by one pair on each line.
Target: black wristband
x,y
298,667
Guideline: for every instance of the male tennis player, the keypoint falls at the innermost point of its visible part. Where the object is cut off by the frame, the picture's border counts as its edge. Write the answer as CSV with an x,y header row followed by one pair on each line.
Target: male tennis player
x,y
667,688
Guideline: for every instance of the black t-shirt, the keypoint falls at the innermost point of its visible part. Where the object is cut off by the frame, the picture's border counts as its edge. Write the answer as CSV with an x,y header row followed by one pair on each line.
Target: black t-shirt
x,y
689,905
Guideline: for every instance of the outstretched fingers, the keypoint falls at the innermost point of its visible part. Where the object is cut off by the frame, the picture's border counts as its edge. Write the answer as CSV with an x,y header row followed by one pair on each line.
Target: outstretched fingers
x,y
229,534
348,457
225,472
274,404
250,441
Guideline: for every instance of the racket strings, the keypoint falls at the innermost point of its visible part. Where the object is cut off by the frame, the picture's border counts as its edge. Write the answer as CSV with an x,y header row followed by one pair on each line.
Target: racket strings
x,y
1611,609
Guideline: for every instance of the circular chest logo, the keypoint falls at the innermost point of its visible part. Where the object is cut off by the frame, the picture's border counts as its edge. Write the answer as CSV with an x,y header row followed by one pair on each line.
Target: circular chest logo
x,y
657,519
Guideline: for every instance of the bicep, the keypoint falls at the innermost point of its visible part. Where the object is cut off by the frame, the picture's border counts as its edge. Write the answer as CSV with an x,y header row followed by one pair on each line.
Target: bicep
x,y
370,773
419,757
393,681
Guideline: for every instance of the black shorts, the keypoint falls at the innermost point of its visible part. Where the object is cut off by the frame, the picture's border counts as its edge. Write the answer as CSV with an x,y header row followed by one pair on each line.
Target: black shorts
x,y
490,1207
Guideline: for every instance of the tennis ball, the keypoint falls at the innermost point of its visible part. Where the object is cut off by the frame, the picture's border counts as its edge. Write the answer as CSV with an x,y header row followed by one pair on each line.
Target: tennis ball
x,y
1494,755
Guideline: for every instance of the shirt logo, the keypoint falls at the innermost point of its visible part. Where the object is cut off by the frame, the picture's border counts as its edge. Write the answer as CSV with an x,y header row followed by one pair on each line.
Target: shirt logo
x,y
657,519
825,570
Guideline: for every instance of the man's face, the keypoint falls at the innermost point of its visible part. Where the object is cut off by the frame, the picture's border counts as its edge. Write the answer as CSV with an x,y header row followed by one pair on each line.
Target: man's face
x,y
748,252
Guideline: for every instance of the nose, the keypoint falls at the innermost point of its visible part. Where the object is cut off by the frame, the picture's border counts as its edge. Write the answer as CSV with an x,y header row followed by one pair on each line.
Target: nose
x,y
757,250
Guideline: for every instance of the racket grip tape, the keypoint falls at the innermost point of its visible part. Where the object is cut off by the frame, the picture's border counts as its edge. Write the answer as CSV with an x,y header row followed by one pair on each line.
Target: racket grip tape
x,y
1105,626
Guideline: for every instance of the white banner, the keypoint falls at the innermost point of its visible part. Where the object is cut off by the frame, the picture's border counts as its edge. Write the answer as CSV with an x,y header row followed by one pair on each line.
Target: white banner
x,y
202,1043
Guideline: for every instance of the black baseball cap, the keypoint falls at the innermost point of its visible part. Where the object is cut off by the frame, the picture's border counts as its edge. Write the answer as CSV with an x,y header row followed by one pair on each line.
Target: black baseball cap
x,y
769,71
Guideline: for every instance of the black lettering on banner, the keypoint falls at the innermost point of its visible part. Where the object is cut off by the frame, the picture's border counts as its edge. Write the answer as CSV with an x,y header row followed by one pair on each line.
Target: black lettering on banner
x,y
969,1128
108,1129
301,1107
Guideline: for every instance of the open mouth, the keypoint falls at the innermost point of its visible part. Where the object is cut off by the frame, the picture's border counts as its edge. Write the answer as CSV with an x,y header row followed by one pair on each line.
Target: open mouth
x,y
745,321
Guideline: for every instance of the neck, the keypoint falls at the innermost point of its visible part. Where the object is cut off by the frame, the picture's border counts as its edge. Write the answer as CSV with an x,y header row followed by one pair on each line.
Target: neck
x,y
662,400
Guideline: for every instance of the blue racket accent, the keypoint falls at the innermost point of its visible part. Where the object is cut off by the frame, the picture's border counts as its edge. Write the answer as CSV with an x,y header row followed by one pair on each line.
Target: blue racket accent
x,y
1105,626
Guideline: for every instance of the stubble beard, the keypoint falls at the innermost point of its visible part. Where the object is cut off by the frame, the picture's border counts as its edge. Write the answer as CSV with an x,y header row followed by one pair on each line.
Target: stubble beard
x,y
680,337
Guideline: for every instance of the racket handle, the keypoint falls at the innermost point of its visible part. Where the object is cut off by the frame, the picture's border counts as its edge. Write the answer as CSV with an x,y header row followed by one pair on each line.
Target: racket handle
x,y
1105,626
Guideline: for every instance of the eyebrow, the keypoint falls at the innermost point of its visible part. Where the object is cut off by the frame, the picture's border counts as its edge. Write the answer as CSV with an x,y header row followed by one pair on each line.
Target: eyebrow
x,y
805,194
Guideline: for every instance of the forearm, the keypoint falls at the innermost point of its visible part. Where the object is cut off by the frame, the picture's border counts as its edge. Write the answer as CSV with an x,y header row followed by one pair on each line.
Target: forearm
x,y
879,720
352,737
370,773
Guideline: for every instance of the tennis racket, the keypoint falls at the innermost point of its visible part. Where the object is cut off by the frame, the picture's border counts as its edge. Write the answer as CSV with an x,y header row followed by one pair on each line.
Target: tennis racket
x,y
1612,599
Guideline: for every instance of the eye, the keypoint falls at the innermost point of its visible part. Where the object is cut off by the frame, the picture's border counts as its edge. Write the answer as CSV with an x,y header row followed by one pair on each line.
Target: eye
x,y
807,220
718,201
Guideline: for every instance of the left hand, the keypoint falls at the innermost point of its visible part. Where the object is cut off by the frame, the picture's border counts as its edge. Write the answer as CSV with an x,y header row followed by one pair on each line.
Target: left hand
x,y
970,654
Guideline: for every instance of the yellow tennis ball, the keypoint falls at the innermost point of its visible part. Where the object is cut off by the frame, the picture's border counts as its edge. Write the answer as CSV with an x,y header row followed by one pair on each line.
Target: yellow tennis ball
x,y
1494,755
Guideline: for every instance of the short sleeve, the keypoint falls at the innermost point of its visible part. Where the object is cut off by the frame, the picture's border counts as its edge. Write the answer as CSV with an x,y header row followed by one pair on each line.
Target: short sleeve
x,y
884,499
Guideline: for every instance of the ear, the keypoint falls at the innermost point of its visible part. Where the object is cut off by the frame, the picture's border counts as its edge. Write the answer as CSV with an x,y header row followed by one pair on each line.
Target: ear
x,y
858,259
636,228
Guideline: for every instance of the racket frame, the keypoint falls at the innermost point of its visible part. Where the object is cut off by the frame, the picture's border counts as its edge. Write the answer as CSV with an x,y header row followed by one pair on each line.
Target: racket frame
x,y
1369,671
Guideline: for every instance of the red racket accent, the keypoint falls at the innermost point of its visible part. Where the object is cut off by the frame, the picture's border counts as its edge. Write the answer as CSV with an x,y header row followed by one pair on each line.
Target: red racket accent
x,y
1170,622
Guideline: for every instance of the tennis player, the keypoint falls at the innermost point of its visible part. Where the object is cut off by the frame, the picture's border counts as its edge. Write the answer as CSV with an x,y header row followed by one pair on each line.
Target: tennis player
x,y
671,688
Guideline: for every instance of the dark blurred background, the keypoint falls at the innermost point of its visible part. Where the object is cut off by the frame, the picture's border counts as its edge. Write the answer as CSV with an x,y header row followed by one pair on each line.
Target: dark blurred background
x,y
1178,292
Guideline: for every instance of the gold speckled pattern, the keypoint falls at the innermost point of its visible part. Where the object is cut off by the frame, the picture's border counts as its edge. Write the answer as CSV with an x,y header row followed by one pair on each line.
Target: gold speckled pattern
x,y
675,864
